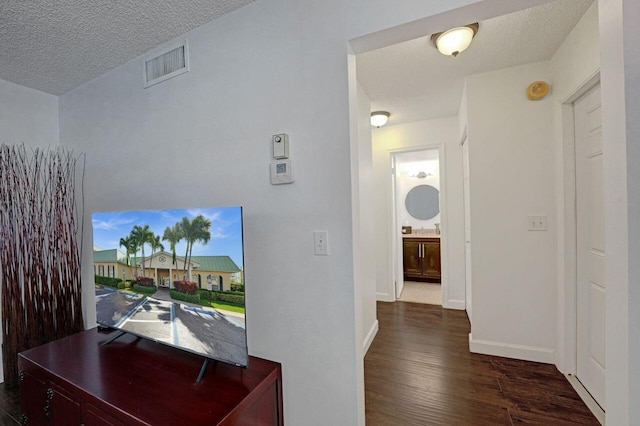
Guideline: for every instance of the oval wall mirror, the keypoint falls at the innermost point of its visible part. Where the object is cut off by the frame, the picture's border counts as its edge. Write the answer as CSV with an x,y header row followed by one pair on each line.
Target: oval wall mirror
x,y
423,202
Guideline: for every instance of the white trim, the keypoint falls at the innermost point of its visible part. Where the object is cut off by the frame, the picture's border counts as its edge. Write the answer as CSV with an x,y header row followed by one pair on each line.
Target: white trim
x,y
507,350
582,88
463,136
396,273
444,230
586,397
454,304
369,339
385,297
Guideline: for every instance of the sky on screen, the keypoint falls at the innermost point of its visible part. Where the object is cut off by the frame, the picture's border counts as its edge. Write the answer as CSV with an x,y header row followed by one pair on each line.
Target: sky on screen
x,y
226,229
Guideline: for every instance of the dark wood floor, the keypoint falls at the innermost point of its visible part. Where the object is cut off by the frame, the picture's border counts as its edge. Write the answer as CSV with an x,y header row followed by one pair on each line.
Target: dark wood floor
x,y
419,371
9,406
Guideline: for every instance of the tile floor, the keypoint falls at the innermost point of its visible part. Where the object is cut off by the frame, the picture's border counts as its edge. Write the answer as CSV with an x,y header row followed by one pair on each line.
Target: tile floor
x,y
419,292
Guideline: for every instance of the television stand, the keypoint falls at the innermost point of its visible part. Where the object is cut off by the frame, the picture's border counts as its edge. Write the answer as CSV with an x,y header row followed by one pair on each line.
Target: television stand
x,y
132,381
113,338
203,369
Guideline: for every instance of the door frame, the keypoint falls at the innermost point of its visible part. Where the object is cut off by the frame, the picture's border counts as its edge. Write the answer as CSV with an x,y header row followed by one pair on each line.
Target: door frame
x,y
567,236
468,282
395,229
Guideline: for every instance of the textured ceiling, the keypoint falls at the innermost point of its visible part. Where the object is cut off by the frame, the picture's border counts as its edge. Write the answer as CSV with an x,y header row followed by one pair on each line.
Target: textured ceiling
x,y
413,81
56,45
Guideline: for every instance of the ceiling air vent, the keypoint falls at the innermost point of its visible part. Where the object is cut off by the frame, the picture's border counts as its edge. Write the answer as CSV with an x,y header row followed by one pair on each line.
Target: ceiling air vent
x,y
171,62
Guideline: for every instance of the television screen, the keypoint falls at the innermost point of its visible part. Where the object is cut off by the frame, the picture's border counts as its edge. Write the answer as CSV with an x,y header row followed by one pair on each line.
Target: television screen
x,y
173,276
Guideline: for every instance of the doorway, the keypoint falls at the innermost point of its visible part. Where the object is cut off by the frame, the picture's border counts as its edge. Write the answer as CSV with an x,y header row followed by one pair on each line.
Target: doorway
x,y
417,200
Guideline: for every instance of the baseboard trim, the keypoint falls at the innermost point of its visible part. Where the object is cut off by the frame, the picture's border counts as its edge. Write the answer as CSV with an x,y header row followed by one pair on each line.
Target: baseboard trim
x,y
455,304
384,297
586,397
527,353
370,336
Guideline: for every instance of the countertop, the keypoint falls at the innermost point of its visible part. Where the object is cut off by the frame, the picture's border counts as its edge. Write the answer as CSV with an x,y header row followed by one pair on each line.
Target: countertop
x,y
420,235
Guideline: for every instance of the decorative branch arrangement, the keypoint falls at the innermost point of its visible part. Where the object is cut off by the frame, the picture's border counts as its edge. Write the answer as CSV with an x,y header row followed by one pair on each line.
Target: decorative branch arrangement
x,y
39,256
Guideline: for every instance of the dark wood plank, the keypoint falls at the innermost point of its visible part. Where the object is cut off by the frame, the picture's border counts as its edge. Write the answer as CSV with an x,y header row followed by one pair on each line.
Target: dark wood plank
x,y
9,406
419,371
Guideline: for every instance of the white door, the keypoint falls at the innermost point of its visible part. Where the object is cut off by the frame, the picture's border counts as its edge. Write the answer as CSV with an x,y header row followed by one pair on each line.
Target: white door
x,y
591,286
396,235
467,227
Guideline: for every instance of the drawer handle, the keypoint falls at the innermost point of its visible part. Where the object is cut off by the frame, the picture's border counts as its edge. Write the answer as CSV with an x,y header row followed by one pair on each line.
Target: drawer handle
x,y
47,408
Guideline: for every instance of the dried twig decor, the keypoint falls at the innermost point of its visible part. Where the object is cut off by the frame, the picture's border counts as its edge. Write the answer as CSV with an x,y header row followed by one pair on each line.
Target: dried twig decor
x,y
39,256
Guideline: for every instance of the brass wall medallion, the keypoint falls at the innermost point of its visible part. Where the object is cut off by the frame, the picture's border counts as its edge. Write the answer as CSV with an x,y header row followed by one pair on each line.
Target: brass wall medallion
x,y
537,90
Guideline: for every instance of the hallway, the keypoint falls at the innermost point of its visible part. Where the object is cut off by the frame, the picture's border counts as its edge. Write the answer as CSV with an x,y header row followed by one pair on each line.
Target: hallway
x,y
419,371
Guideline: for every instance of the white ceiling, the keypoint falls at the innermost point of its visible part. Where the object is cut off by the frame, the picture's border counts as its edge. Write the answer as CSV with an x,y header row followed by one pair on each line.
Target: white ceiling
x,y
413,81
56,45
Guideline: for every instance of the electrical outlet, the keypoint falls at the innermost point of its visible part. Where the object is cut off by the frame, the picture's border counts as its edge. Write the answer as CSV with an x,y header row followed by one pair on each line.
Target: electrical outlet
x,y
321,243
537,222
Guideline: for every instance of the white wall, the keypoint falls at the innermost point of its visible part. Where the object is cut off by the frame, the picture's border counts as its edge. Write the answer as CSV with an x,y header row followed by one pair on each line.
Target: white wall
x,y
442,132
407,166
26,116
512,153
272,66
578,57
620,73
367,241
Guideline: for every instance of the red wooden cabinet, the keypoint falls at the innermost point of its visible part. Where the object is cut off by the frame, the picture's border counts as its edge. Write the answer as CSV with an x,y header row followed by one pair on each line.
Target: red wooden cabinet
x,y
134,381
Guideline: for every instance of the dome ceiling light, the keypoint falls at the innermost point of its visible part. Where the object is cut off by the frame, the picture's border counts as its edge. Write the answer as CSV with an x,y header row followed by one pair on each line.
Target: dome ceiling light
x,y
455,40
379,118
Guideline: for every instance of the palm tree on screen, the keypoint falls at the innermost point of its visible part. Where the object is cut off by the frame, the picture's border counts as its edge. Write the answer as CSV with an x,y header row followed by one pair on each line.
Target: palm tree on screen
x,y
196,230
129,245
156,245
173,235
142,235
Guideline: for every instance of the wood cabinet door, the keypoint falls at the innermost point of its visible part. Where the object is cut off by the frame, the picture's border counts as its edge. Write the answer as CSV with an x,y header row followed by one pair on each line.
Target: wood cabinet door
x,y
33,399
46,403
63,408
431,259
412,260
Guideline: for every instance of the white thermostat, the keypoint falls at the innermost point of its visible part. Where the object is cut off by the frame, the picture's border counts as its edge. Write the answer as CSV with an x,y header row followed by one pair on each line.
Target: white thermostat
x,y
281,172
280,146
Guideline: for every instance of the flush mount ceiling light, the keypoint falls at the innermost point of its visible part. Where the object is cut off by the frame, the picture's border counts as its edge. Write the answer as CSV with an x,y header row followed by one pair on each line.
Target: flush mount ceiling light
x,y
455,40
379,118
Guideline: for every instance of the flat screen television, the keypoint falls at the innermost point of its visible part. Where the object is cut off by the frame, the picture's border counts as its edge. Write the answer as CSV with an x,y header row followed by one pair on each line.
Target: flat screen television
x,y
173,276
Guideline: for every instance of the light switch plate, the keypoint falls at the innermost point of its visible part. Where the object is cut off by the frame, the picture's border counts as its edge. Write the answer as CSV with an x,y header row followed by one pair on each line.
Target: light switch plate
x,y
321,243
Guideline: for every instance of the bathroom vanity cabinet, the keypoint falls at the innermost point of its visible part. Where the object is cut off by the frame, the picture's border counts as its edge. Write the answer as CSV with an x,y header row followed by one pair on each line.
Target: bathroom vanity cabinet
x,y
421,258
